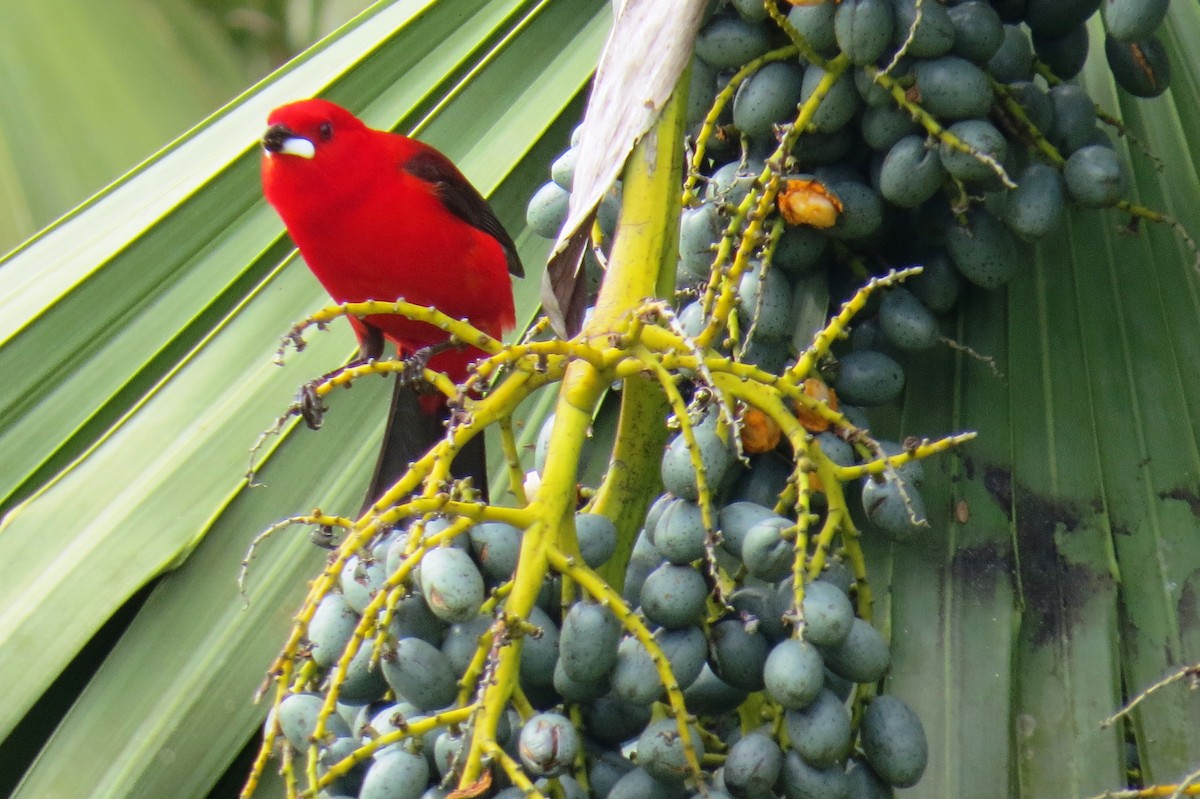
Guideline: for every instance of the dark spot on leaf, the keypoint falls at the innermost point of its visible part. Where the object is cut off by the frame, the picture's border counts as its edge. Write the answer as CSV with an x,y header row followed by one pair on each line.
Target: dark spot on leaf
x,y
981,566
1184,494
1053,589
1189,605
997,481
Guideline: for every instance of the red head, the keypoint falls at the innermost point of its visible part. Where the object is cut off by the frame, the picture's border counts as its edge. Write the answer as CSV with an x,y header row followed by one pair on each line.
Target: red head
x,y
314,148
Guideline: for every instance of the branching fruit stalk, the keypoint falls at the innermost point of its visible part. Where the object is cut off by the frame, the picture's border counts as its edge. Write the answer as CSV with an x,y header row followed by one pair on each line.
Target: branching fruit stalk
x,y
644,247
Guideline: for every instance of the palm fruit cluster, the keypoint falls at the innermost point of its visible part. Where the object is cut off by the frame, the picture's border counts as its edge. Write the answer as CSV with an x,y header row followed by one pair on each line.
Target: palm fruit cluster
x,y
831,144
946,135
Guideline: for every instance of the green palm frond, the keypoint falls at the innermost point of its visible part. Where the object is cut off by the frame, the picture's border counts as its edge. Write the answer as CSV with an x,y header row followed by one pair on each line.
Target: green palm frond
x,y
139,334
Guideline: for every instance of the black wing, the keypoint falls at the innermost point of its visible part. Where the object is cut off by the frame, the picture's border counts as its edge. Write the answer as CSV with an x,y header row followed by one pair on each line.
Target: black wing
x,y
463,200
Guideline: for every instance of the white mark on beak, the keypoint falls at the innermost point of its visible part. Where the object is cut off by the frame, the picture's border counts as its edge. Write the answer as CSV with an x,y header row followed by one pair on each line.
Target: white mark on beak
x,y
295,145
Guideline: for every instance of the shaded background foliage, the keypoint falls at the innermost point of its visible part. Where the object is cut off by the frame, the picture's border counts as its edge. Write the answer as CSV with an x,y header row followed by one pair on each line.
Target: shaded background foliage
x,y
87,90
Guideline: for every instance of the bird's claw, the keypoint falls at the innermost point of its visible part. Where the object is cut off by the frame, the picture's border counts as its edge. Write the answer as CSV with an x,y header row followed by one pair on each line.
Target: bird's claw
x,y
310,406
415,364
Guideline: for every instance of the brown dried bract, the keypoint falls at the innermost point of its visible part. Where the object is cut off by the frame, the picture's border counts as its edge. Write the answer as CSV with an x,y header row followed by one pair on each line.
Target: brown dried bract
x,y
1143,64
808,202
476,788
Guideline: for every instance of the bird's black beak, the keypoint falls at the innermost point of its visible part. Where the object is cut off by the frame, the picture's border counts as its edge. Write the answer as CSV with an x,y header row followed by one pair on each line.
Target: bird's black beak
x,y
282,140
273,139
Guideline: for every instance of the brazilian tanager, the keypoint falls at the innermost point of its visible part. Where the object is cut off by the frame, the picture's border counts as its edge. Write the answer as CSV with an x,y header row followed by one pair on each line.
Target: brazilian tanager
x,y
379,216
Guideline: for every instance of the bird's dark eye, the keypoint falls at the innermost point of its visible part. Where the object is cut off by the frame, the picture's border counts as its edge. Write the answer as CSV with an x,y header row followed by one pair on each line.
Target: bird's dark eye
x,y
325,131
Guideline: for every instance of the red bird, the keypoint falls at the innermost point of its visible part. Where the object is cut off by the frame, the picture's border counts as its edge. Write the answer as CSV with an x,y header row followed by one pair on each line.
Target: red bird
x,y
379,216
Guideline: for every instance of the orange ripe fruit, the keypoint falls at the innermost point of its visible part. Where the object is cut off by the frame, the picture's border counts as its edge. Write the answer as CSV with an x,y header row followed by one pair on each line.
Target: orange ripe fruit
x,y
816,388
808,202
760,433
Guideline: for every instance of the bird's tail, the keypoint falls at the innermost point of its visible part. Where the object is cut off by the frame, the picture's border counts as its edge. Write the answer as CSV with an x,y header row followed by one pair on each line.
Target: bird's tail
x,y
414,425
